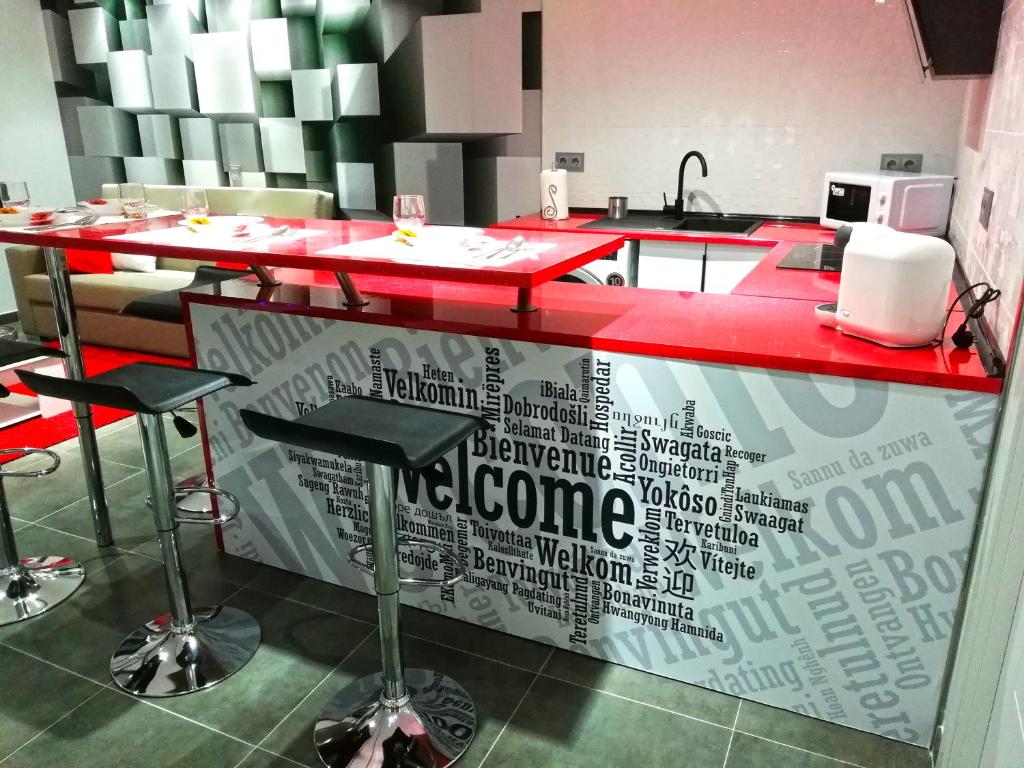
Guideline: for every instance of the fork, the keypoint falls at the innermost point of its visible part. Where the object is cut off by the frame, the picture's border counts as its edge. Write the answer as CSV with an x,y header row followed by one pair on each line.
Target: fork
x,y
82,222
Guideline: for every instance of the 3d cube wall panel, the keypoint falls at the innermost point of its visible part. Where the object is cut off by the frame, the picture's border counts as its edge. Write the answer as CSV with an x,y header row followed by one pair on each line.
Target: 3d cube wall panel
x,y
204,173
240,145
354,186
390,21
312,95
108,132
62,55
200,139
88,174
298,7
433,170
282,45
68,107
283,151
129,81
455,100
340,16
499,188
135,35
159,136
171,28
173,81
225,82
94,33
235,15
318,165
355,90
525,144
153,170
293,92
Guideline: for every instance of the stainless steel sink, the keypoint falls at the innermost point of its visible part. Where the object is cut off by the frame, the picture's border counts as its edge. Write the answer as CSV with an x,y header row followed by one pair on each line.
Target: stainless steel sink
x,y
691,222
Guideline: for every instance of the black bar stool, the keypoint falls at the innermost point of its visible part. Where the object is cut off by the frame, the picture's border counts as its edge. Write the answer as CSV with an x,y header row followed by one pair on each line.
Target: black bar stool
x,y
187,649
166,305
29,586
400,717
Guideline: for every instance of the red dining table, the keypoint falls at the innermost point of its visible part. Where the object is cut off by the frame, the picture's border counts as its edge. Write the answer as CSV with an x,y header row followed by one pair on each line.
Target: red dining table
x,y
539,258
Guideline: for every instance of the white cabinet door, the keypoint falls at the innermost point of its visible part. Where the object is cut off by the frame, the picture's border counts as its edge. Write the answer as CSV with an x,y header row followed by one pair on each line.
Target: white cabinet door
x,y
728,264
669,266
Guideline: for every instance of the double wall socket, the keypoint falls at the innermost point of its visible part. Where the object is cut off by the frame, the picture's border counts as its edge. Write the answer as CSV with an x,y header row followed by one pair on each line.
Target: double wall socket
x,y
570,161
905,163
986,207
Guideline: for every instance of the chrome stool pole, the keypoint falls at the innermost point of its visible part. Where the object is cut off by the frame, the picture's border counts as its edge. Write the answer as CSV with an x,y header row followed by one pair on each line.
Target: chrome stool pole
x,y
186,649
30,586
399,717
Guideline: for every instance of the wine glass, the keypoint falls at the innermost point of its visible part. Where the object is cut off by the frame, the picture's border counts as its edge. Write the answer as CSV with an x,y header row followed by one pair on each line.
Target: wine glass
x,y
14,194
409,212
194,202
133,200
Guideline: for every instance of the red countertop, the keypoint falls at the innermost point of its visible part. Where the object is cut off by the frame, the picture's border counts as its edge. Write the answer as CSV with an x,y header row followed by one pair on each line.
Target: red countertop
x,y
571,250
761,332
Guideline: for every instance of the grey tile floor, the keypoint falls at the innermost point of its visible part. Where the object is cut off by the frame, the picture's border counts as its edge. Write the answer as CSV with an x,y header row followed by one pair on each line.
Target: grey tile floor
x,y
537,706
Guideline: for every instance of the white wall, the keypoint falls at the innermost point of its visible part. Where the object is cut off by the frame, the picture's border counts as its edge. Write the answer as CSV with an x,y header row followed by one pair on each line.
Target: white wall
x,y
992,156
31,139
773,93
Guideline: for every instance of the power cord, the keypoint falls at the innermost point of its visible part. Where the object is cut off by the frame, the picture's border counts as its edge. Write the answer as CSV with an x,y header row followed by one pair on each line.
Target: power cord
x,y
963,337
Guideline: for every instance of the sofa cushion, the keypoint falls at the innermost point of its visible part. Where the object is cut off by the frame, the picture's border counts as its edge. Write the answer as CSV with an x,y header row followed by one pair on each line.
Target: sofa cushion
x,y
112,291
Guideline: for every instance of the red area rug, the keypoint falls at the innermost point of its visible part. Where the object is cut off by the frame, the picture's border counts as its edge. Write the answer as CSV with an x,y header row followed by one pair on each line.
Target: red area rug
x,y
42,433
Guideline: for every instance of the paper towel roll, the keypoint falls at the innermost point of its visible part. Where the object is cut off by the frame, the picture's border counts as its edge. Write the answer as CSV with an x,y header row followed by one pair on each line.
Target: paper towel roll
x,y
554,194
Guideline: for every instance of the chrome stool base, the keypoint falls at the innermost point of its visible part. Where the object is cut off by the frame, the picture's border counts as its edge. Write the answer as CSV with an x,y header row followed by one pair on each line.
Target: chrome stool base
x,y
157,660
431,729
37,584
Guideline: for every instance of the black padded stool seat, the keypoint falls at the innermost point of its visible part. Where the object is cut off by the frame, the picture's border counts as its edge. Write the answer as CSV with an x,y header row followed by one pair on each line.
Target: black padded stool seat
x,y
12,352
138,387
166,306
368,429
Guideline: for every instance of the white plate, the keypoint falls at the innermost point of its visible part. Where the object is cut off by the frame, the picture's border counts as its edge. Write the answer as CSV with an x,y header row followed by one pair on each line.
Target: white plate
x,y
112,207
24,216
222,221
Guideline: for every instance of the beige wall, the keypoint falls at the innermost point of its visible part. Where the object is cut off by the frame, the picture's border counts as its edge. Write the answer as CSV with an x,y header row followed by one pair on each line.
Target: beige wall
x,y
774,93
992,155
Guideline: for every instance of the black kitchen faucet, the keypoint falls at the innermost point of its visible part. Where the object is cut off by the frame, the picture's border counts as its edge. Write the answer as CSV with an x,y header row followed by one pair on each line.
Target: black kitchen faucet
x,y
679,208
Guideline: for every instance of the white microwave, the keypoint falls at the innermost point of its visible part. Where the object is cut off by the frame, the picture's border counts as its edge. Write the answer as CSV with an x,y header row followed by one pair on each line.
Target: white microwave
x,y
908,202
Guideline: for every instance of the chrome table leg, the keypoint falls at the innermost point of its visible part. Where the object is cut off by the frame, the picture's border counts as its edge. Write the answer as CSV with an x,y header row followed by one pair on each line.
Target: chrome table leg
x,y
524,298
353,298
186,649
400,717
67,331
267,280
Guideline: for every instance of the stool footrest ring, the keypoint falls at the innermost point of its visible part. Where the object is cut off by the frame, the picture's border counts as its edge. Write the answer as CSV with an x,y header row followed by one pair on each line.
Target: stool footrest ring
x,y
52,467
206,518
447,556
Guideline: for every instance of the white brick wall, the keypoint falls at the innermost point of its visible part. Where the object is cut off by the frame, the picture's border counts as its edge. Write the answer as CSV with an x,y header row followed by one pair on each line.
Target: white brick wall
x,y
992,155
773,93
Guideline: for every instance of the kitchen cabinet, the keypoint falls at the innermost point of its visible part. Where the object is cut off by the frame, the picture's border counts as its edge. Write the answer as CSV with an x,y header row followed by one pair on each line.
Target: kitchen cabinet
x,y
959,36
674,266
728,264
664,265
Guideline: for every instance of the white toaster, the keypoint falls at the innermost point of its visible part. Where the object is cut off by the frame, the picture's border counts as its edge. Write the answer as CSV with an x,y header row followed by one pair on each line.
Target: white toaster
x,y
894,287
